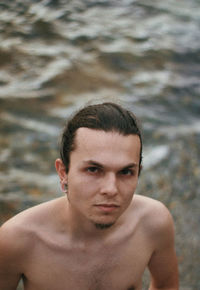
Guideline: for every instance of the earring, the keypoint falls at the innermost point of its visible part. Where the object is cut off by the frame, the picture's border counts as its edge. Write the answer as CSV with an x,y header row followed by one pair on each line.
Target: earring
x,y
64,187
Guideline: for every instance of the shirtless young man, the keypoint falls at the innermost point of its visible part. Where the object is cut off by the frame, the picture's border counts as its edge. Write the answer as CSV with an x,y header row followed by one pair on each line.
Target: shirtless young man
x,y
100,236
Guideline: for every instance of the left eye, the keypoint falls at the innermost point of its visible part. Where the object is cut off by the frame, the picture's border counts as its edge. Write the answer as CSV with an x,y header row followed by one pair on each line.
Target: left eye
x,y
127,172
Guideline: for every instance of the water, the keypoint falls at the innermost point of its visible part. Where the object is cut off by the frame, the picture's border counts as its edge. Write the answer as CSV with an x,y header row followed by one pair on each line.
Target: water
x,y
57,55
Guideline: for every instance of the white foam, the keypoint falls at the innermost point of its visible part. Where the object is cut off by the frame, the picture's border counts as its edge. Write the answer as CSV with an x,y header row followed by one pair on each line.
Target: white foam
x,y
180,130
155,155
31,124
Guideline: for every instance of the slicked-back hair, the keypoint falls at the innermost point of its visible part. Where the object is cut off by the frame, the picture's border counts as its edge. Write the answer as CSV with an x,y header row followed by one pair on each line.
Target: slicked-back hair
x,y
108,117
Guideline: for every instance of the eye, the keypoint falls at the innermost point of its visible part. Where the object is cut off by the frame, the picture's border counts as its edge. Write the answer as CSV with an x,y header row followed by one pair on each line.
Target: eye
x,y
93,169
126,171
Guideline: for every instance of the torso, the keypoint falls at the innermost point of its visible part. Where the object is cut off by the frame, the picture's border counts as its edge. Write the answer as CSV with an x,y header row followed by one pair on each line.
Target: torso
x,y
106,268
114,263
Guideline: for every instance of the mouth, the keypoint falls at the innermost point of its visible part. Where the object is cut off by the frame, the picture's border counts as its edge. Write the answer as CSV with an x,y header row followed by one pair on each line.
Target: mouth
x,y
104,207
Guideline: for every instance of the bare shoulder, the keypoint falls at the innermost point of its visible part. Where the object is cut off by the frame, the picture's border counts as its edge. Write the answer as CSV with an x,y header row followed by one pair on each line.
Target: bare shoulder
x,y
150,205
158,229
22,233
154,216
22,229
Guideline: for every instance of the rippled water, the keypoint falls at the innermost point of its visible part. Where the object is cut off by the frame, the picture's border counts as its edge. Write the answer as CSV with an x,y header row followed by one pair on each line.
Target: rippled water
x,y
57,55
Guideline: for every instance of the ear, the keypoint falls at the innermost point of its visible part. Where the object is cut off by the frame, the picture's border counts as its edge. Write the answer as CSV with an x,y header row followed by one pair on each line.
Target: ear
x,y
61,170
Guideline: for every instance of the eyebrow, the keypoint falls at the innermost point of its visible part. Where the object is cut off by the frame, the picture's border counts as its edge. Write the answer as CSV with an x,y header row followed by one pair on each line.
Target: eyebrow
x,y
94,163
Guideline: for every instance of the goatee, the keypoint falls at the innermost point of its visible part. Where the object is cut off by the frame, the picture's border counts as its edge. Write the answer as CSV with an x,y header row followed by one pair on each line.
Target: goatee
x,y
103,226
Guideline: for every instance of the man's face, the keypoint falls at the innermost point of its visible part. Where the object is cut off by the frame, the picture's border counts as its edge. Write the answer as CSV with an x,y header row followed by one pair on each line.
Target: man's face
x,y
103,175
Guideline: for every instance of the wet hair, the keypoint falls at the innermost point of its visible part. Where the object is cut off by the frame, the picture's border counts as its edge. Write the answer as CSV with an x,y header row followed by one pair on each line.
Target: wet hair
x,y
109,117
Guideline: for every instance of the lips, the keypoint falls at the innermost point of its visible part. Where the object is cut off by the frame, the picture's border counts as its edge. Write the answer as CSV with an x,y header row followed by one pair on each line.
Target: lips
x,y
107,204
105,207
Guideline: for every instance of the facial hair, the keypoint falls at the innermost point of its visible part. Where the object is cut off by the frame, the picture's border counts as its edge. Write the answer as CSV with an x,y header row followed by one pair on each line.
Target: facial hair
x,y
103,226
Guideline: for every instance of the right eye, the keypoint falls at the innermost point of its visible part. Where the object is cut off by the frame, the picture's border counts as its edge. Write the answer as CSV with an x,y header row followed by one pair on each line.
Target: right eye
x,y
93,169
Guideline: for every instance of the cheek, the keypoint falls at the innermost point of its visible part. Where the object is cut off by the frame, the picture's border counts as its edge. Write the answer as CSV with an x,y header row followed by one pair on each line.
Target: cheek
x,y
81,188
129,196
129,184
128,190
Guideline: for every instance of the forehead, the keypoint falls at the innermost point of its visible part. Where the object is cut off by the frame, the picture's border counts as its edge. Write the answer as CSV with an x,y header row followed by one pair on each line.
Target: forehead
x,y
99,145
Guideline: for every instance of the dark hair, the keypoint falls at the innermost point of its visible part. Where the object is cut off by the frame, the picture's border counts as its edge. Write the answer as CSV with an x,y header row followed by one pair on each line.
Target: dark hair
x,y
107,117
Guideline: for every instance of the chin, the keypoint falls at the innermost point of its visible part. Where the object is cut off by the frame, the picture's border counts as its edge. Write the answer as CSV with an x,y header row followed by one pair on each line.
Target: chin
x,y
102,226
104,222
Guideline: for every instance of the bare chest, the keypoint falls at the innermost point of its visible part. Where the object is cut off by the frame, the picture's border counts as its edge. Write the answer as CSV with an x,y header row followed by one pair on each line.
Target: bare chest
x,y
116,267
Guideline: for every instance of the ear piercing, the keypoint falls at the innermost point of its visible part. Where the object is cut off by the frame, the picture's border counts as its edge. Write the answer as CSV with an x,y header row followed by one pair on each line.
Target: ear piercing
x,y
64,187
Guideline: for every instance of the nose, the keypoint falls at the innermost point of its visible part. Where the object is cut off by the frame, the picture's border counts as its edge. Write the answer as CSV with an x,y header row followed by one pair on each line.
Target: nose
x,y
109,185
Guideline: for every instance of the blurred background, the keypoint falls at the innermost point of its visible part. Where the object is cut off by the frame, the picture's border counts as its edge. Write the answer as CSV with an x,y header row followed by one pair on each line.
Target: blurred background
x,y
57,55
